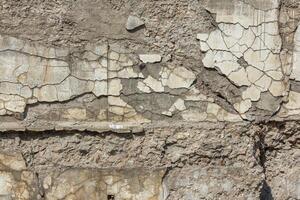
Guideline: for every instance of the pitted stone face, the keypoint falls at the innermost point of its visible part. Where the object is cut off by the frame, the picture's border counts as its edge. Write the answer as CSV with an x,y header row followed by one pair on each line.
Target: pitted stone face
x,y
15,181
246,48
95,184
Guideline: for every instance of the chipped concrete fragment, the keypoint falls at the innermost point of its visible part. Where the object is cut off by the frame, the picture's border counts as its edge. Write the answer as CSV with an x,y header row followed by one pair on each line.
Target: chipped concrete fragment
x,y
154,84
114,87
100,88
129,73
121,111
216,113
213,109
216,44
180,77
194,115
253,74
252,93
150,58
167,113
179,104
293,101
208,59
133,23
277,88
263,83
143,87
256,58
75,114
243,106
202,36
240,77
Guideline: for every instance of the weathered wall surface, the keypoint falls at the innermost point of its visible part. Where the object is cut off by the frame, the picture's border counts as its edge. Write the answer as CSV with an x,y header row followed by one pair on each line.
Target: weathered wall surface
x,y
151,100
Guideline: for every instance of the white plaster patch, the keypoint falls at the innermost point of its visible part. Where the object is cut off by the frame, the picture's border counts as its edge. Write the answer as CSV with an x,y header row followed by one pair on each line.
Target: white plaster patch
x,y
180,77
243,106
245,48
150,58
154,84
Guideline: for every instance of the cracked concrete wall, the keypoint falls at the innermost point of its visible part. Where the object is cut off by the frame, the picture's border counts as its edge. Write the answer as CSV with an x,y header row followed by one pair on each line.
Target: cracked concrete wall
x,y
182,99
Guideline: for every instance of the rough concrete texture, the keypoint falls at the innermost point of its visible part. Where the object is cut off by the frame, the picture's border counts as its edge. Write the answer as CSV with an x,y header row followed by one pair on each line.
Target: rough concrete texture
x,y
150,100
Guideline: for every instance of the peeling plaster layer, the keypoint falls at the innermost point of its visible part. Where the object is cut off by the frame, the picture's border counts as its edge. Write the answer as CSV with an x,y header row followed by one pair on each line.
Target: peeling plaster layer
x,y
34,74
246,47
247,51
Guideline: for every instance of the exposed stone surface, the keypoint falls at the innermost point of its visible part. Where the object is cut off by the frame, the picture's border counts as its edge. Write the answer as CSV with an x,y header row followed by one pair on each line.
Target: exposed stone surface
x,y
102,184
15,181
213,183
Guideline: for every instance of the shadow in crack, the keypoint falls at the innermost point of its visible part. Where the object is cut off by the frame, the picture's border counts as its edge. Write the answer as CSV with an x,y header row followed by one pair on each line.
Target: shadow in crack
x,y
266,192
